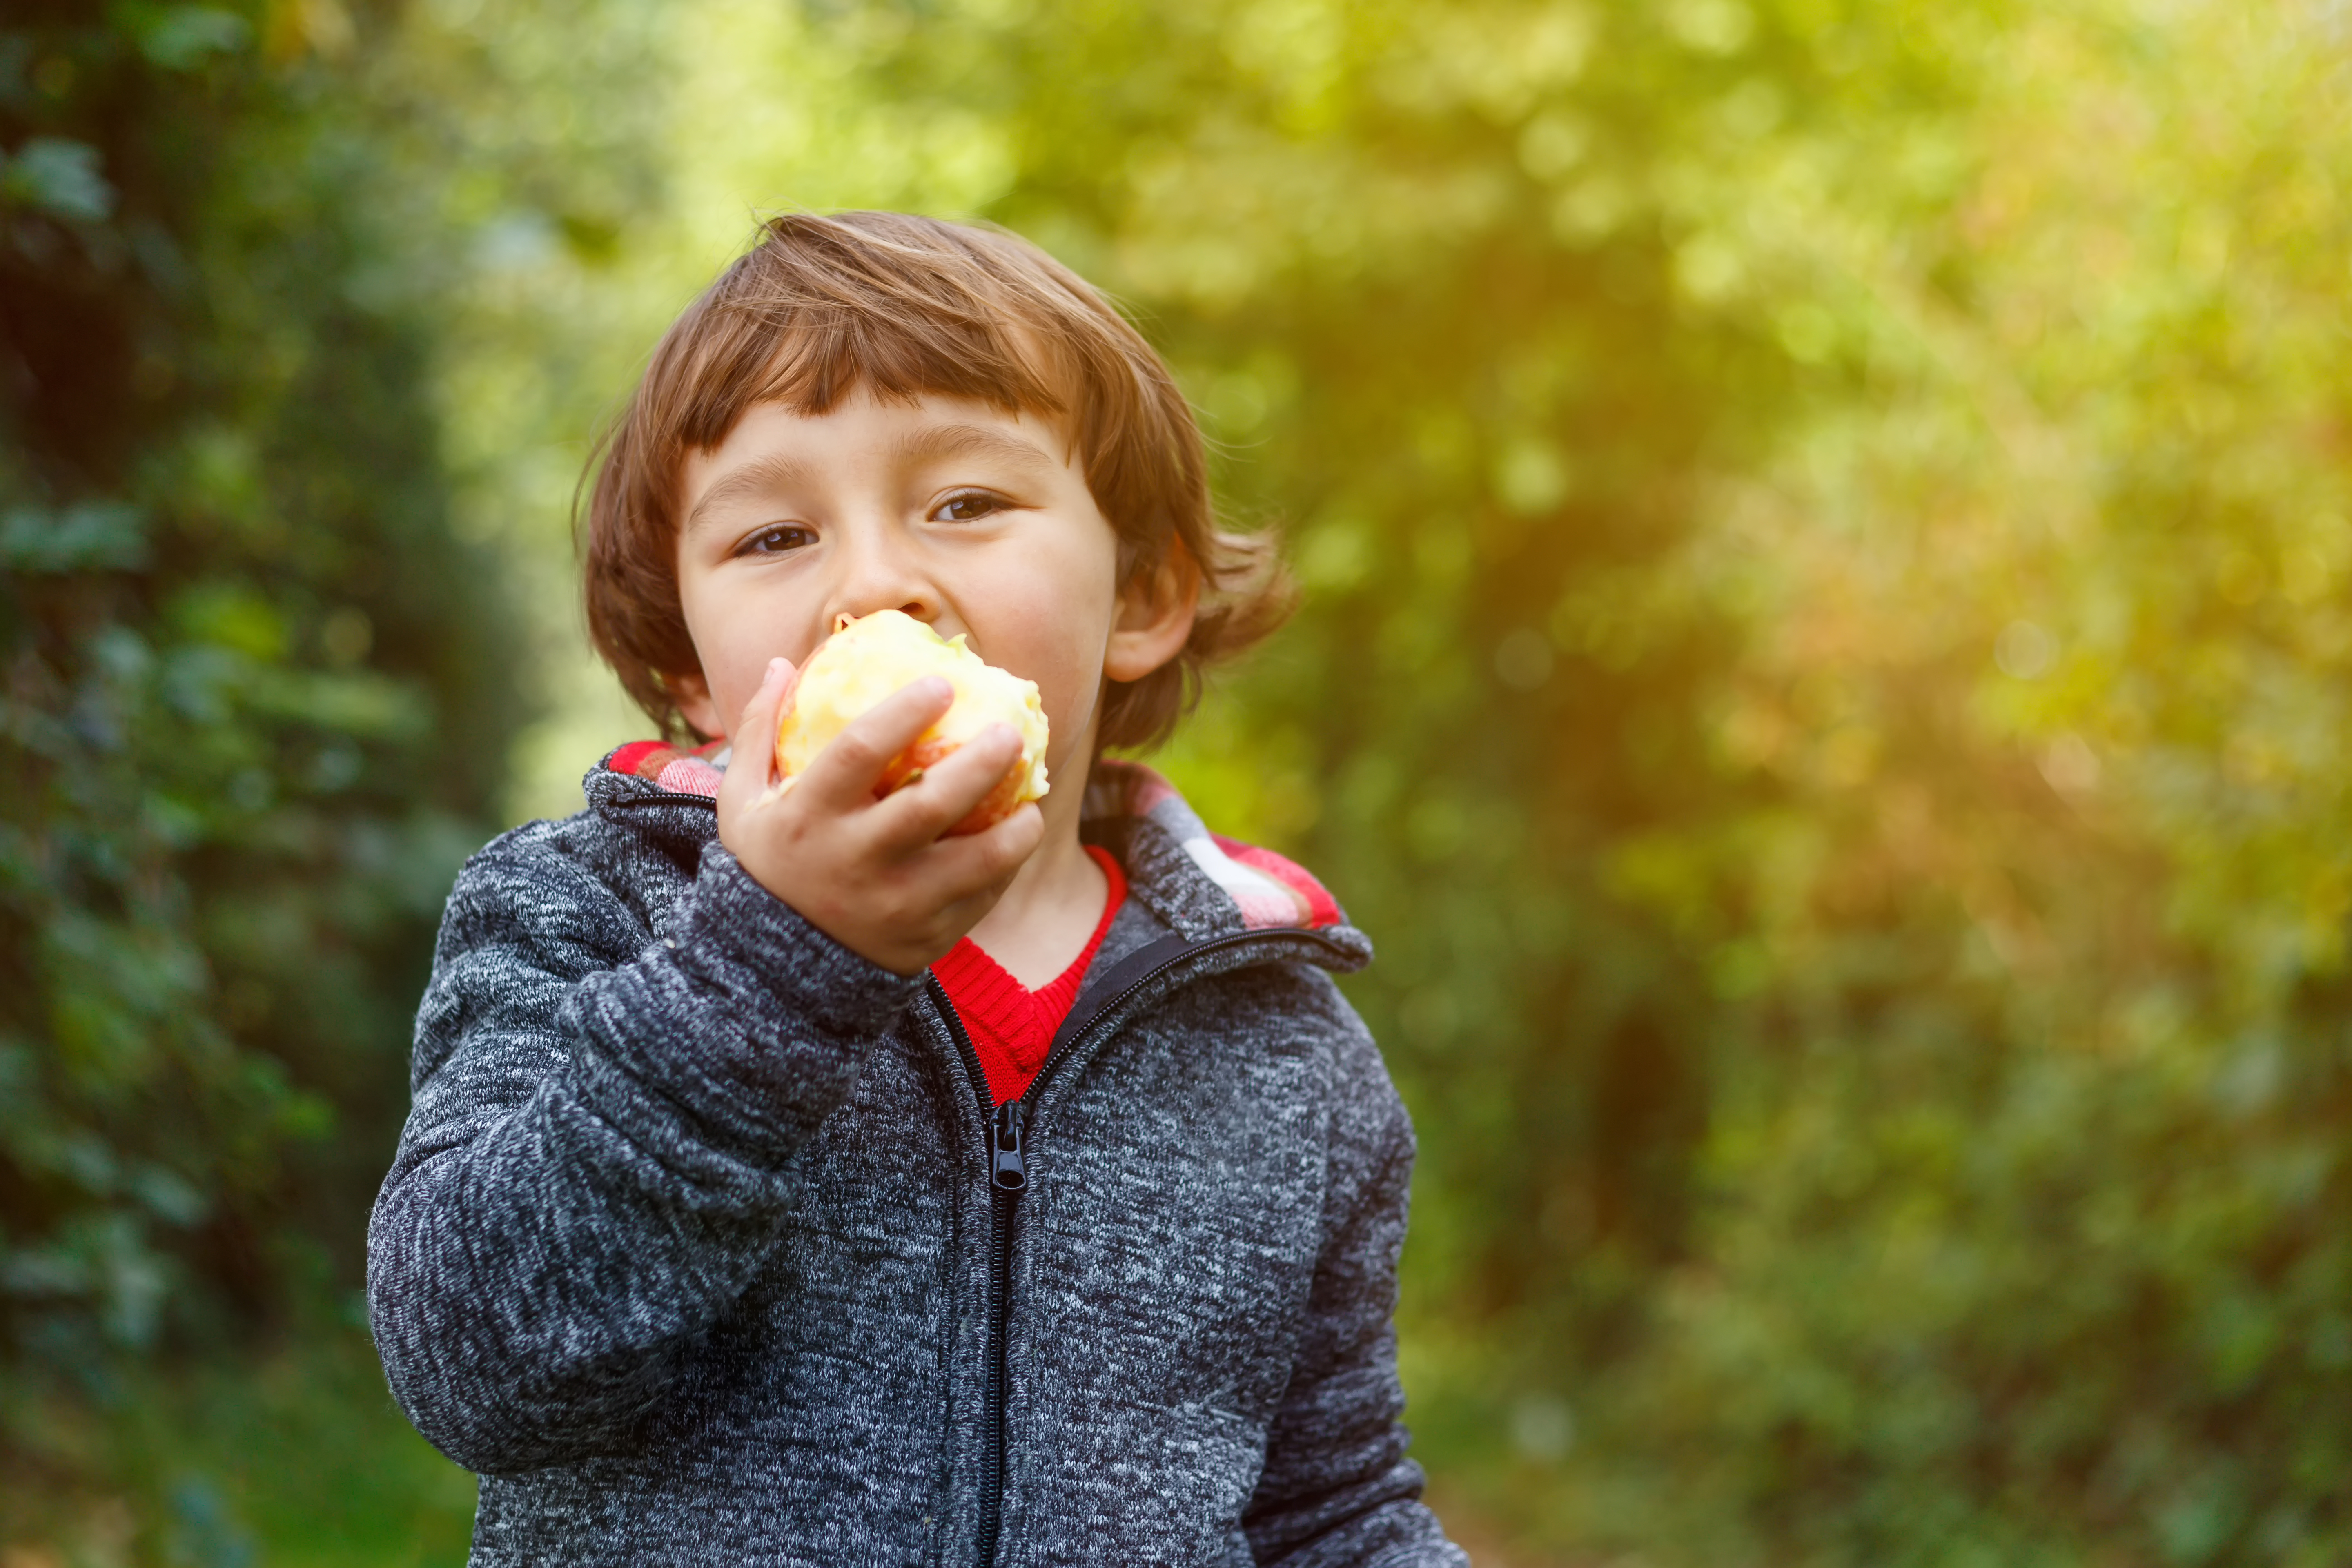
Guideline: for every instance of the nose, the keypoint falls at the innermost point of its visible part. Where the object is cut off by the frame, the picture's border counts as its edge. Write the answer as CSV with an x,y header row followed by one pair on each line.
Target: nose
x,y
876,572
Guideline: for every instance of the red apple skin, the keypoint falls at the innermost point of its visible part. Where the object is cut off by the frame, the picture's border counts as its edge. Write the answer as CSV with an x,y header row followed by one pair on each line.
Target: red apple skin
x,y
994,806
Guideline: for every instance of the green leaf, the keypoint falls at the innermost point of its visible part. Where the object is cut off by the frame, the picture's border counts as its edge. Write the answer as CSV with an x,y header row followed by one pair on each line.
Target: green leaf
x,y
181,37
92,536
58,176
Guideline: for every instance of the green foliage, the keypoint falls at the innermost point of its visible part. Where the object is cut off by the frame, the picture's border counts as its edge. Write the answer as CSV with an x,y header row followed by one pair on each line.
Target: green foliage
x,y
1826,537
295,1458
1826,533
254,703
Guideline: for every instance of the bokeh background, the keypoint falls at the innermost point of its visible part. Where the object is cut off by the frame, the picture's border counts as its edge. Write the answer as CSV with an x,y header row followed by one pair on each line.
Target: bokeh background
x,y
1824,670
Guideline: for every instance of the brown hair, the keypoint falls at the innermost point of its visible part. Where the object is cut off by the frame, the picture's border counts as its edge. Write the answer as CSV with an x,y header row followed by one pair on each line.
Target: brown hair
x,y
904,306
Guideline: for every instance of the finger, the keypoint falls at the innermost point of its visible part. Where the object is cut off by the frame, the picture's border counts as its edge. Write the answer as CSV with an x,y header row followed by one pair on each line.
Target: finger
x,y
844,775
948,791
953,876
751,757
985,862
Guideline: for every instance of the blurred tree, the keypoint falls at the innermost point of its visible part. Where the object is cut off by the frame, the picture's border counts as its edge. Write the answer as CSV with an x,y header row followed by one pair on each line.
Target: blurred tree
x,y
256,694
1824,670
1824,666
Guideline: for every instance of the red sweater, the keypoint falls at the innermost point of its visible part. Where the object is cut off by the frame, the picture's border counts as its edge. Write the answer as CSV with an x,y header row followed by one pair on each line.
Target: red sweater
x,y
1012,1026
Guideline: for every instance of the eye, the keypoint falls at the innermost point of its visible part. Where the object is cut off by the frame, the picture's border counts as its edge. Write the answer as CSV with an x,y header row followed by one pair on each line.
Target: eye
x,y
967,506
776,540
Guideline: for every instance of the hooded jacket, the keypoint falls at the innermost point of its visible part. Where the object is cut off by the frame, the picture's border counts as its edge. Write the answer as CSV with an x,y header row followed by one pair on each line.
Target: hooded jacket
x,y
704,1244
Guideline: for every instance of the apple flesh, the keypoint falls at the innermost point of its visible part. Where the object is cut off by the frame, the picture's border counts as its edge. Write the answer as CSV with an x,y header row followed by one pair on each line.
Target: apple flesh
x,y
865,661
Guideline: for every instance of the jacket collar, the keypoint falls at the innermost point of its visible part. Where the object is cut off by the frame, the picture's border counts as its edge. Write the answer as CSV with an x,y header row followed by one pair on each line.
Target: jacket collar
x,y
1203,886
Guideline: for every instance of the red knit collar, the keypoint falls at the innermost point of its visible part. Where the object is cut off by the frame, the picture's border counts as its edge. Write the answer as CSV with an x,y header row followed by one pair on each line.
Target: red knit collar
x,y
1010,1027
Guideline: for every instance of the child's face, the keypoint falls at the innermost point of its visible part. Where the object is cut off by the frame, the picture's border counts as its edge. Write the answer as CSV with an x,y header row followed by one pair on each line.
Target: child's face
x,y
962,516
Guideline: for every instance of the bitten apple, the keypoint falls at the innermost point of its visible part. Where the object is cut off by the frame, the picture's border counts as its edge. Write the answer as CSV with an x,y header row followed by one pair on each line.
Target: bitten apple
x,y
867,659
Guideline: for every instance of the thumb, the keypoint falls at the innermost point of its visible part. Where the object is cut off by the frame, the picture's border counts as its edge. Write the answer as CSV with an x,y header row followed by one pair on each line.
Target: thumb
x,y
751,757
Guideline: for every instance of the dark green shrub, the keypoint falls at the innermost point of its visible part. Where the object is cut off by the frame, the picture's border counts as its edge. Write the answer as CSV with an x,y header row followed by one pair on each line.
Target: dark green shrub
x,y
255,694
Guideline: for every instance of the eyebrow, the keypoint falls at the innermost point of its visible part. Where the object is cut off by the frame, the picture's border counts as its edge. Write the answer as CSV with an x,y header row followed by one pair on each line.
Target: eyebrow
x,y
760,477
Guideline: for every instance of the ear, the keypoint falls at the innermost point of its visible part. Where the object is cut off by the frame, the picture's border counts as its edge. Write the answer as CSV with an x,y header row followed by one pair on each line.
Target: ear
x,y
1155,616
692,695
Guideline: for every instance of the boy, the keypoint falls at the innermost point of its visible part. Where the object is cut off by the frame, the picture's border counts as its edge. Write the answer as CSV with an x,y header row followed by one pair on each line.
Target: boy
x,y
788,1184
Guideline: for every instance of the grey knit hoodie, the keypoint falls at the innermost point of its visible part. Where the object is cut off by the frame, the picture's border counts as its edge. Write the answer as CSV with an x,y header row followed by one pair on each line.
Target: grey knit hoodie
x,y
702,1245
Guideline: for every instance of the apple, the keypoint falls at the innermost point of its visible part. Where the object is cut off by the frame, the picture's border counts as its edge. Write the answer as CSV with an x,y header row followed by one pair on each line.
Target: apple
x,y
867,659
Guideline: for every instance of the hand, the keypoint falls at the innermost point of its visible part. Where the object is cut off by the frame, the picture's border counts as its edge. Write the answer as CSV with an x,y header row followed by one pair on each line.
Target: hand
x,y
875,875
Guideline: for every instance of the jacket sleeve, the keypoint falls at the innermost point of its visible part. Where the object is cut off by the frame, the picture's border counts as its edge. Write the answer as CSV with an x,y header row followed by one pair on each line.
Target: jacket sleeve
x,y
1336,1487
602,1134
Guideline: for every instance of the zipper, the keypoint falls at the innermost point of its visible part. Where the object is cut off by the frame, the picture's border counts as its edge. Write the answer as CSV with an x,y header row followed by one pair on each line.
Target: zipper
x,y
666,797
1008,1178
1008,1167
1130,975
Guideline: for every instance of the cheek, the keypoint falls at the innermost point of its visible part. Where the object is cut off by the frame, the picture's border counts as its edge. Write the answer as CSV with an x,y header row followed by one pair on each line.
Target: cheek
x,y
731,665
1071,671
1051,626
1076,681
730,690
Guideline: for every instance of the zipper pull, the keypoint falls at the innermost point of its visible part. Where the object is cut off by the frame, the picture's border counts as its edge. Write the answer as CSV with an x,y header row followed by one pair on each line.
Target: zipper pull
x,y
1011,1172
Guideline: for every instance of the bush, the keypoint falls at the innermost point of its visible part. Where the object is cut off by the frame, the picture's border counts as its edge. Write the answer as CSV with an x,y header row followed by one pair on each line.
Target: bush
x,y
254,692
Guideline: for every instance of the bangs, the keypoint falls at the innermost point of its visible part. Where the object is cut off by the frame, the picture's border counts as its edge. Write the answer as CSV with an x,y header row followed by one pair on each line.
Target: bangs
x,y
820,362
807,325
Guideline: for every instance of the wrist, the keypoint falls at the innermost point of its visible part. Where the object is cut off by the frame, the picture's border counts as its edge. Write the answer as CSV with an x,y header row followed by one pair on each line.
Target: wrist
x,y
738,922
